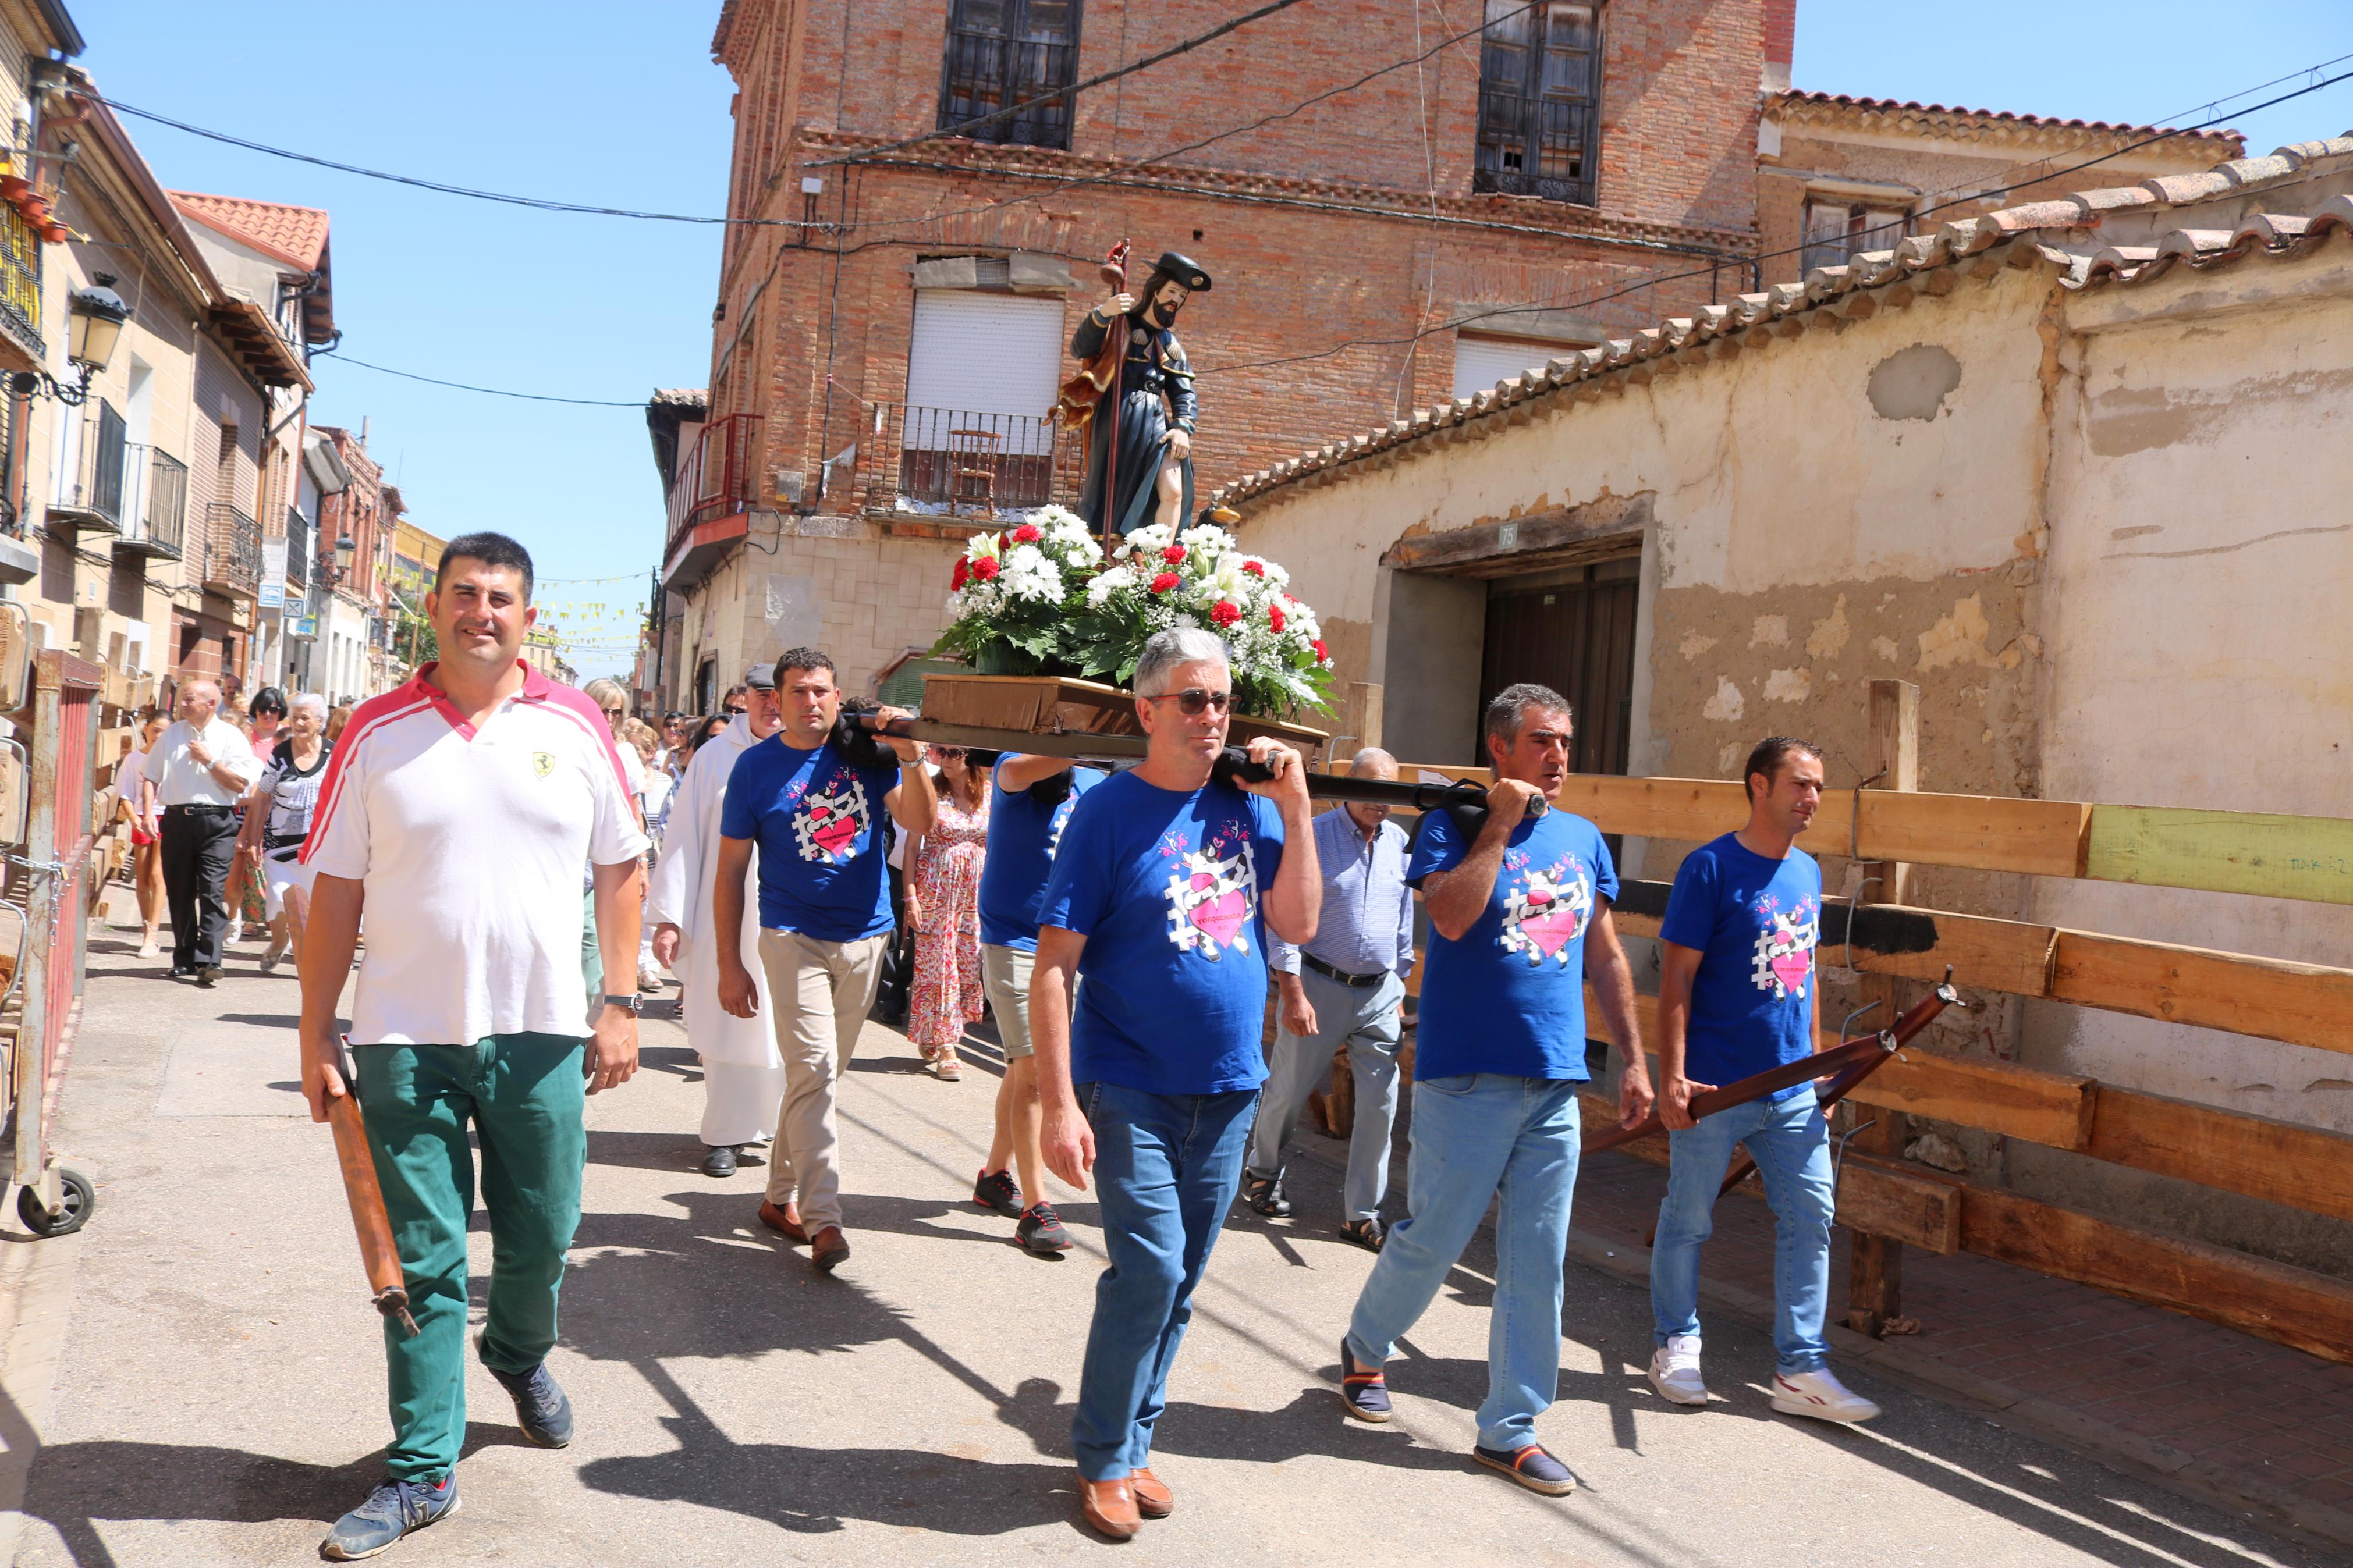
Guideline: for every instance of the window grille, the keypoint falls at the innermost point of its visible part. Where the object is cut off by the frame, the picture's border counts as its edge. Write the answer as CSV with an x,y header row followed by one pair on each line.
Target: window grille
x,y
1004,52
1838,231
1539,100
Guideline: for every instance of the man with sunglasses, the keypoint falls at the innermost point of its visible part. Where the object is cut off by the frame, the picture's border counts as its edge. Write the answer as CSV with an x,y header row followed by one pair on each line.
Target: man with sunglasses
x,y
1519,917
1162,895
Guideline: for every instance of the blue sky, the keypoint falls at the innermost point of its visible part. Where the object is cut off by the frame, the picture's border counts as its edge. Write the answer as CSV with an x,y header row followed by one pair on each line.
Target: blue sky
x,y
617,102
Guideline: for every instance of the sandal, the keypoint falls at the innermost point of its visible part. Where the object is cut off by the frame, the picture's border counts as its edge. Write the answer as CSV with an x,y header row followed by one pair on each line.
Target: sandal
x,y
946,1067
1368,1234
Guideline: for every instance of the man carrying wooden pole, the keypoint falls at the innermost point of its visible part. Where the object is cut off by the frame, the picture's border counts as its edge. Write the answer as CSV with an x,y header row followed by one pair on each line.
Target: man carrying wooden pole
x,y
1738,994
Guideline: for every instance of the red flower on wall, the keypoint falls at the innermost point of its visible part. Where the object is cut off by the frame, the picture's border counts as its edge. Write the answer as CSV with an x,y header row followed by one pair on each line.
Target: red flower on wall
x,y
1166,581
985,568
1227,613
1274,617
962,571
1027,534
1173,555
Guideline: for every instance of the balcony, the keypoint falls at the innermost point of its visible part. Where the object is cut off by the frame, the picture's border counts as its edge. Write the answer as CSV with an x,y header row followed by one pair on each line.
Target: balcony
x,y
949,463
301,545
154,518
20,282
88,498
713,488
232,553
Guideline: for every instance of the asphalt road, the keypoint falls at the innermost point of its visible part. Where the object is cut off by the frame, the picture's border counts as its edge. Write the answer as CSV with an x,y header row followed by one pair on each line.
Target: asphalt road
x,y
202,1368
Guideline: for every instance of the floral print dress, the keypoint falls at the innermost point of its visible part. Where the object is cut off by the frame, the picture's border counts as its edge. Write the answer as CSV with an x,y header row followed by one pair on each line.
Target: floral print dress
x,y
947,874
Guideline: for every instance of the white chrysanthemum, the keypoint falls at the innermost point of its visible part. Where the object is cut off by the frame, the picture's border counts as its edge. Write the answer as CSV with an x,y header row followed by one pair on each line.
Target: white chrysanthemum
x,y
1030,573
1150,539
1208,539
1274,575
1116,580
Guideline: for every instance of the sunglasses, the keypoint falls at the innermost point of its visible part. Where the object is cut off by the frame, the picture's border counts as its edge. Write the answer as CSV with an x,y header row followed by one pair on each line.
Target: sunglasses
x,y
947,752
1192,701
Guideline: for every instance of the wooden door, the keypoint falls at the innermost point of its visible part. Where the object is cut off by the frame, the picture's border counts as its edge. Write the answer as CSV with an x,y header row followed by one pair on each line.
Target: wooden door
x,y
1571,630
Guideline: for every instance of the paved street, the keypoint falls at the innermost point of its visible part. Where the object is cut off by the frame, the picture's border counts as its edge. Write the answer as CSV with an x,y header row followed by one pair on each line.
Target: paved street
x,y
219,1391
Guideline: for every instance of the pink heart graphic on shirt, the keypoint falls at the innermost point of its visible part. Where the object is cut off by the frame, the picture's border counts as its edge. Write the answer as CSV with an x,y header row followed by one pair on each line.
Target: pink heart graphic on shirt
x,y
832,834
1220,916
1791,969
1551,929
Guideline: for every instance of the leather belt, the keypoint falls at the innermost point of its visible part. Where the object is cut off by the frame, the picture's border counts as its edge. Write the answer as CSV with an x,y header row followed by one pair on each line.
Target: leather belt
x,y
200,806
1353,982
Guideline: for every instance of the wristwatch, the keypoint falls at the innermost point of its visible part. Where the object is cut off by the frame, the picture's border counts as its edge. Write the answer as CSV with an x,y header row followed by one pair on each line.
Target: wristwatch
x,y
630,1002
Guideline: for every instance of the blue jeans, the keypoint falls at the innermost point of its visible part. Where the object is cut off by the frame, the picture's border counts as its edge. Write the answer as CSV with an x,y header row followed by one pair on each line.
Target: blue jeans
x,y
1166,1168
1475,1137
1790,1143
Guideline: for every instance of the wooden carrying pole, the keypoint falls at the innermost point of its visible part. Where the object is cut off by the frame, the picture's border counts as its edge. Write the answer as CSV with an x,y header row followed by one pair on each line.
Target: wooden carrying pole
x,y
1876,1263
377,1253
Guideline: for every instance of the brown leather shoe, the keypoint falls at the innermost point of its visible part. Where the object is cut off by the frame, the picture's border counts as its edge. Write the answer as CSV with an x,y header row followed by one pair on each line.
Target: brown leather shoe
x,y
829,1249
1153,1497
1110,1507
786,1219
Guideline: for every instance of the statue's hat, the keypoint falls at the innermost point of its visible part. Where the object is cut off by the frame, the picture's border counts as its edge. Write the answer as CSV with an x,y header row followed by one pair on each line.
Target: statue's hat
x,y
1184,270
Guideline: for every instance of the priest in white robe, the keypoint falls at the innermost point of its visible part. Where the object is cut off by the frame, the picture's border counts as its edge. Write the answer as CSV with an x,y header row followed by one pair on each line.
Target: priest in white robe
x,y
742,1076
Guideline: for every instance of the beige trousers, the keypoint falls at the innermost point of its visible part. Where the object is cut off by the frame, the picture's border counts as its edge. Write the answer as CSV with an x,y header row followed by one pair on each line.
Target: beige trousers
x,y
822,992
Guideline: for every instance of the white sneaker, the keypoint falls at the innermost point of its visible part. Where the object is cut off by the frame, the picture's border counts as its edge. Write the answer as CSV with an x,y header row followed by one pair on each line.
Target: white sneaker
x,y
1674,1371
236,932
1819,1395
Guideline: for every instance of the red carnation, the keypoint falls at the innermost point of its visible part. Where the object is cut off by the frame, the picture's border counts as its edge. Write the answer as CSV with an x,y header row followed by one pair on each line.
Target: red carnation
x,y
1255,570
1166,581
1027,534
962,571
1323,654
1173,555
985,568
1227,613
1274,617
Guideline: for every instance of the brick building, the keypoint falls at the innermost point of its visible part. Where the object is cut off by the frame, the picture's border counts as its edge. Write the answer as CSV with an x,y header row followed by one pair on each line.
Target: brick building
x,y
892,320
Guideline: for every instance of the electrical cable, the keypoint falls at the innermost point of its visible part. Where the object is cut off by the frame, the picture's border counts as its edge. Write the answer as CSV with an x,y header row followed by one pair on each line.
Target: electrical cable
x,y
343,358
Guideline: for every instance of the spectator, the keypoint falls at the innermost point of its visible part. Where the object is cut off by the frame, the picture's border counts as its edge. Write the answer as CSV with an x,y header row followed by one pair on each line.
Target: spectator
x,y
278,821
943,902
136,791
205,769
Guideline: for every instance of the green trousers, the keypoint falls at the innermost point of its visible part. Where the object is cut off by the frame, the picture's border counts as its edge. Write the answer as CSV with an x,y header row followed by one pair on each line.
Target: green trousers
x,y
523,1096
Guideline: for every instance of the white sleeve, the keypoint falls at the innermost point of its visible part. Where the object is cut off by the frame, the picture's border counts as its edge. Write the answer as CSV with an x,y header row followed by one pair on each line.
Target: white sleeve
x,y
670,899
614,837
238,758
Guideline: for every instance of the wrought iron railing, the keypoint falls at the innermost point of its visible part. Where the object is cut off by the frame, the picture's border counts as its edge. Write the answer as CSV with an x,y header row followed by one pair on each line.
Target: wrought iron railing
x,y
717,476
154,517
20,276
954,463
1534,146
89,489
302,543
986,71
232,551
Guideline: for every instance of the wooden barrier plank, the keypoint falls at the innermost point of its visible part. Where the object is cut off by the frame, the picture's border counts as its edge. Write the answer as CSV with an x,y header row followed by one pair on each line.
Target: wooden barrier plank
x,y
2047,1108
2009,956
2304,1168
2290,1306
1989,832
2308,858
1889,1201
2303,1004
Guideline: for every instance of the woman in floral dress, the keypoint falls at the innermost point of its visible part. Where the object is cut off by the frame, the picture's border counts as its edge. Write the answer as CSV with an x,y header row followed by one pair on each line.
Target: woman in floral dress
x,y
943,906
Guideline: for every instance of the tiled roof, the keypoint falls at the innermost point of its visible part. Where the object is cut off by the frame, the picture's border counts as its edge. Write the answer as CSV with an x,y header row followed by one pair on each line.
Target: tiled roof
x,y
2064,232
298,234
1935,117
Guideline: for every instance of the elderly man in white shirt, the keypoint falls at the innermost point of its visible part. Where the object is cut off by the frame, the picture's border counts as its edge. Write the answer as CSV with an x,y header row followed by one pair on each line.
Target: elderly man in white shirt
x,y
742,1074
201,767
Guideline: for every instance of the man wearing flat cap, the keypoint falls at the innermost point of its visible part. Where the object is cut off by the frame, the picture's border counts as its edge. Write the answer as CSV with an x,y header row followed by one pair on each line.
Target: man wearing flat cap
x,y
1155,408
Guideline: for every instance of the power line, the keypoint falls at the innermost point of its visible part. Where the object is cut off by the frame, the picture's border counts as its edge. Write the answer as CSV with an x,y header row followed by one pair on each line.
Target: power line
x,y
463,386
1071,92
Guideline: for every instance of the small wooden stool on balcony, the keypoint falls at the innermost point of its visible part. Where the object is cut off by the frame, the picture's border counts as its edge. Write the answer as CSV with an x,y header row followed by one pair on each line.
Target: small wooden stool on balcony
x,y
972,457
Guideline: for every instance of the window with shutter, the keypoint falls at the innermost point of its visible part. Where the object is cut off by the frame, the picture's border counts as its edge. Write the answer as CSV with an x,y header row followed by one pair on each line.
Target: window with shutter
x,y
1837,230
1004,52
983,372
1539,100
1481,363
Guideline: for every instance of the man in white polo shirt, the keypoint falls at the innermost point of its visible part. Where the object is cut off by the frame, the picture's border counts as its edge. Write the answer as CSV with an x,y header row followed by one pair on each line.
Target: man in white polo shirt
x,y
461,808
201,769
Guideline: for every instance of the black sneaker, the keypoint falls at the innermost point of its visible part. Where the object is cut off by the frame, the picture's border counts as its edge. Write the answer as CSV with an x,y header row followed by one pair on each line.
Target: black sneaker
x,y
719,1159
998,1193
390,1512
1264,1193
541,1409
1040,1229
1531,1467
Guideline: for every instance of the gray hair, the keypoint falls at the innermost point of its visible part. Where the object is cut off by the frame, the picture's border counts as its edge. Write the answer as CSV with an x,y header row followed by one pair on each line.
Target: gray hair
x,y
1512,705
310,699
1369,761
1164,651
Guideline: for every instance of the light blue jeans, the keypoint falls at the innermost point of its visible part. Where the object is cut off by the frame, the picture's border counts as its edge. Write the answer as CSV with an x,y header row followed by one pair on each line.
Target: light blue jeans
x,y
1790,1143
1475,1138
1166,1167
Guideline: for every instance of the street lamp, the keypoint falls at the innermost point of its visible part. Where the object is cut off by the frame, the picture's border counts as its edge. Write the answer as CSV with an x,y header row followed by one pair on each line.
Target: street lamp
x,y
347,551
95,316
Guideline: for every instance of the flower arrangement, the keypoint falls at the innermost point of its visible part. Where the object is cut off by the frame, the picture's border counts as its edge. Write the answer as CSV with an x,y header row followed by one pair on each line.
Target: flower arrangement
x,y
1042,599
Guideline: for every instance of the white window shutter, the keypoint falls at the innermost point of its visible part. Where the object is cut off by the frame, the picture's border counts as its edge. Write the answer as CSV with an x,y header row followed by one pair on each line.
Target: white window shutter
x,y
987,354
1481,363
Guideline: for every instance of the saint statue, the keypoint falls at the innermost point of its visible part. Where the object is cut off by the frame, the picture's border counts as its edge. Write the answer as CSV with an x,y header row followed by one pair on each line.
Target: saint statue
x,y
1140,434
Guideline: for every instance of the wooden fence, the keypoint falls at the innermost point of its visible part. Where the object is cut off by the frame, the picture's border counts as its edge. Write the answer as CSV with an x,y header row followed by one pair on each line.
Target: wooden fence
x,y
1889,1202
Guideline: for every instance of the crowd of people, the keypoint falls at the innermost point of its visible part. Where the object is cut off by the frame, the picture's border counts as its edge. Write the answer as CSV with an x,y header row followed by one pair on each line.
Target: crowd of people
x,y
1125,931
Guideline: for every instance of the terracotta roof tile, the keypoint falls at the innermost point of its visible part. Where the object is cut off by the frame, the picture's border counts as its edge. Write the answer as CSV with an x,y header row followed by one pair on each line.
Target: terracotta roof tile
x,y
2201,144
297,234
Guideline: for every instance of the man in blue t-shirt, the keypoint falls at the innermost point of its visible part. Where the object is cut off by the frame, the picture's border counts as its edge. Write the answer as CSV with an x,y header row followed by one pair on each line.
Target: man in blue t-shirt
x,y
1738,995
1162,895
814,803
1030,802
1519,919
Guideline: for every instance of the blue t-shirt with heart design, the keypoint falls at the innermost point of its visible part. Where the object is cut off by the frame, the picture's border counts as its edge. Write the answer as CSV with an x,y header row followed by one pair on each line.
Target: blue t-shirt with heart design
x,y
1509,997
1755,923
819,820
1165,886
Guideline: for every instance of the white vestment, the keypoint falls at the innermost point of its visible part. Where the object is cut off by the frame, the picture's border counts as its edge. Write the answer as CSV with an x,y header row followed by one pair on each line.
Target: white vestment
x,y
680,896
